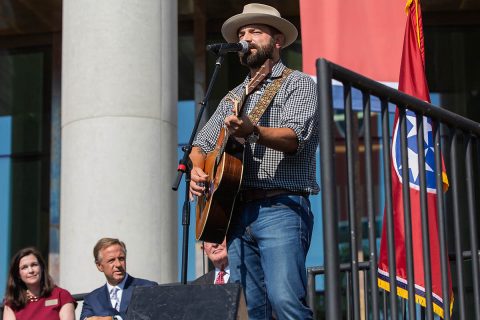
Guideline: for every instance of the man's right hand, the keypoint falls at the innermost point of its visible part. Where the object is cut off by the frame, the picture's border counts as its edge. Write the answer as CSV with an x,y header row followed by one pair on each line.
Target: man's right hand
x,y
198,178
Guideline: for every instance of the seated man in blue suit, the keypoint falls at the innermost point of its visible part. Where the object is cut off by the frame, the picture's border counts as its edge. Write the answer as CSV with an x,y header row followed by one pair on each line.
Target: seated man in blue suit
x,y
112,299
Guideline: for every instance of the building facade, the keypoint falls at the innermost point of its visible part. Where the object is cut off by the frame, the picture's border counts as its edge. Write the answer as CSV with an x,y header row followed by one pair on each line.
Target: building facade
x,y
97,98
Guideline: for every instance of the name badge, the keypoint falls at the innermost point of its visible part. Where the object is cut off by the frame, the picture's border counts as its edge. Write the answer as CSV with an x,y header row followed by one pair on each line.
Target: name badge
x,y
51,302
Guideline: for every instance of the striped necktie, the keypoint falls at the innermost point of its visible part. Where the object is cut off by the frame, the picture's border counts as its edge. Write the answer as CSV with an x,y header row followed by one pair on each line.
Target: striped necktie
x,y
220,279
114,298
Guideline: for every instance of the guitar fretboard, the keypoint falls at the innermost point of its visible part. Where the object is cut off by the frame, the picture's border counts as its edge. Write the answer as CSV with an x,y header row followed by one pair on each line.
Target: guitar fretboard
x,y
239,101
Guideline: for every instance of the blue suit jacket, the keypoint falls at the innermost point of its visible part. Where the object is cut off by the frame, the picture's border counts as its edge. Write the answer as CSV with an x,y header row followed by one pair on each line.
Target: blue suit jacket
x,y
97,302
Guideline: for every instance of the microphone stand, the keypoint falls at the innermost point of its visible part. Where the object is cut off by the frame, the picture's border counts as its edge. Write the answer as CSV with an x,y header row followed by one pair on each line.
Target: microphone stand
x,y
185,166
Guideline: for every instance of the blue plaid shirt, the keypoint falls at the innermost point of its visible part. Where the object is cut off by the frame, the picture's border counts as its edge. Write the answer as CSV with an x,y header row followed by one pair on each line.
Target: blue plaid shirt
x,y
294,107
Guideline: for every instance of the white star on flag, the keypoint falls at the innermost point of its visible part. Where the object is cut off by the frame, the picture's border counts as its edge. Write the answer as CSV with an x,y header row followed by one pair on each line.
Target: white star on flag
x,y
412,154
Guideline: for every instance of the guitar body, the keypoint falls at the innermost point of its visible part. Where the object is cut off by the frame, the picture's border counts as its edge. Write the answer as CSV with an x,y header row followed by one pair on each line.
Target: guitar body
x,y
224,167
214,209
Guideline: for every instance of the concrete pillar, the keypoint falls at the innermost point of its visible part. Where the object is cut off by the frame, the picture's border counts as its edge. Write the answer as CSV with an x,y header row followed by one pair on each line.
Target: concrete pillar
x,y
119,115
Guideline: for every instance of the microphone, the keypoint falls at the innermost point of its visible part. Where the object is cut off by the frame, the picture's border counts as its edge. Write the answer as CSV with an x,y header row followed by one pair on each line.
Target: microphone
x,y
222,48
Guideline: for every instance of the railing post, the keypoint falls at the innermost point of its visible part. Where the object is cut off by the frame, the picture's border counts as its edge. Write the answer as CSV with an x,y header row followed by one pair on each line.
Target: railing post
x,y
424,215
373,260
351,140
441,222
311,290
329,207
402,122
455,178
392,264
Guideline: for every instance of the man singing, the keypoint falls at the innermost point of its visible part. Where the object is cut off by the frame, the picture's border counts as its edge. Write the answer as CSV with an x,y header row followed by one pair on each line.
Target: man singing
x,y
270,232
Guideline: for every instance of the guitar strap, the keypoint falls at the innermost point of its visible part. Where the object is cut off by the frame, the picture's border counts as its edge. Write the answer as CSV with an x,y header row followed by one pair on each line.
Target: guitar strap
x,y
268,96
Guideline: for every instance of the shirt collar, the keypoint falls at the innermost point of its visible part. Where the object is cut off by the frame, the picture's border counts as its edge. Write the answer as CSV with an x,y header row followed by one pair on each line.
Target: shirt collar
x,y
277,69
121,285
226,269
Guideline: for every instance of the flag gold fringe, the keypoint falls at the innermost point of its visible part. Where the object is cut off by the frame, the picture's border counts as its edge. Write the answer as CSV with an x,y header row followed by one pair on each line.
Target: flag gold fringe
x,y
418,299
445,181
407,9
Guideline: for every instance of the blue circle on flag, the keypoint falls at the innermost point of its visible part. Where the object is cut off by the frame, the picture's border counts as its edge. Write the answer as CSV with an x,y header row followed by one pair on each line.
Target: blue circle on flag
x,y
412,151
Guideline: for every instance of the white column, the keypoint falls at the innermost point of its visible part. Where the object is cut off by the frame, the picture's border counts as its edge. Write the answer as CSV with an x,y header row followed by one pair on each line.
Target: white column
x,y
119,116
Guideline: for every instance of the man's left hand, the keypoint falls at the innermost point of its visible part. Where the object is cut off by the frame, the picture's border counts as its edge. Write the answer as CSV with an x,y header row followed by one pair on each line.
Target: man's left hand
x,y
239,127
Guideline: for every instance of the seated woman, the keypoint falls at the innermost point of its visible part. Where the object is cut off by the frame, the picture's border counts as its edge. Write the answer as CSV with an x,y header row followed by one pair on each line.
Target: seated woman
x,y
31,293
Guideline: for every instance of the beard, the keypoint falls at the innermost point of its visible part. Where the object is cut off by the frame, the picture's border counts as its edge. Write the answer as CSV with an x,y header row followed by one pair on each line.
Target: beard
x,y
255,61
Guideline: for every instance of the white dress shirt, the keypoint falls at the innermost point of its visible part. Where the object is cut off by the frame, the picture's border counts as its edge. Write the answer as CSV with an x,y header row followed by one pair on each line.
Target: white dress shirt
x,y
120,287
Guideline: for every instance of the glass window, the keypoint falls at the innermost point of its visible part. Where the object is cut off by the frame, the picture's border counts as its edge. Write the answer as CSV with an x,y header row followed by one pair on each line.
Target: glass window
x,y
24,151
453,71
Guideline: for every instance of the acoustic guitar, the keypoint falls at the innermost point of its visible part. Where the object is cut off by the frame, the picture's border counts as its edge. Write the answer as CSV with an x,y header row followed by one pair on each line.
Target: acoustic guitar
x,y
224,167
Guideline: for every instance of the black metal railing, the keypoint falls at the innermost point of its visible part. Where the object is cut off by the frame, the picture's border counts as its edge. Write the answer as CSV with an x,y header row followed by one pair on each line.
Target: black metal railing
x,y
457,137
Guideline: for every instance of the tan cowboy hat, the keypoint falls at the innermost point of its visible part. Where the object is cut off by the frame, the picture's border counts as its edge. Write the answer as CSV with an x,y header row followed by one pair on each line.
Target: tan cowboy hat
x,y
256,13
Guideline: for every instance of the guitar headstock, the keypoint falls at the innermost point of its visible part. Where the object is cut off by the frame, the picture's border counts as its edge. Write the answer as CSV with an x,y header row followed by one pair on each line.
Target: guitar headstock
x,y
261,74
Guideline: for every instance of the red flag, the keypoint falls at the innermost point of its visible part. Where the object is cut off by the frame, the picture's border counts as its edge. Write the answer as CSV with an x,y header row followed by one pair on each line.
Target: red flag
x,y
413,82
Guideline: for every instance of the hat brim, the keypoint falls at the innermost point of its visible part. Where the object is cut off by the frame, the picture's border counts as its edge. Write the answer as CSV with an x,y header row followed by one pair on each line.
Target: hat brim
x,y
231,26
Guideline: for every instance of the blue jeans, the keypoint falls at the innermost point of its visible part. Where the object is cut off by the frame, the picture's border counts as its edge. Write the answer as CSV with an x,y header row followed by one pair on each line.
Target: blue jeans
x,y
267,247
